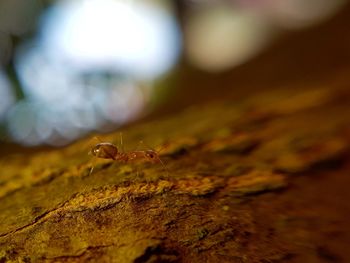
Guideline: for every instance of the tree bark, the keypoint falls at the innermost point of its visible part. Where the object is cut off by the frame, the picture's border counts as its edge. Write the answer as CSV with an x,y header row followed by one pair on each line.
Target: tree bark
x,y
260,180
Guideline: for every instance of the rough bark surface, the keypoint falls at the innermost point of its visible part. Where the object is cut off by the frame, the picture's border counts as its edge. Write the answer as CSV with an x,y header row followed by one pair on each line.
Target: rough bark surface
x,y
261,180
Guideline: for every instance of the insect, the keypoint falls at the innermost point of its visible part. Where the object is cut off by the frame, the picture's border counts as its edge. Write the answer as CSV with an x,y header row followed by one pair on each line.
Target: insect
x,y
107,150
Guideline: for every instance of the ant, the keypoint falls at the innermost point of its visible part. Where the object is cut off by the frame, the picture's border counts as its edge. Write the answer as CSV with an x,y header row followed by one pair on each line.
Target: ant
x,y
107,150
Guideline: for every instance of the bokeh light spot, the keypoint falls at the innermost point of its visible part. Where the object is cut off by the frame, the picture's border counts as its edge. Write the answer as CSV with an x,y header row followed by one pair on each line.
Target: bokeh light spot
x,y
219,37
89,67
134,38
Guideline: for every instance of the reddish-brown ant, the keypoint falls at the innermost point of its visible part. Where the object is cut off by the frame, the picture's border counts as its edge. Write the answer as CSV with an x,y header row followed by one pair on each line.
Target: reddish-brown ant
x,y
107,150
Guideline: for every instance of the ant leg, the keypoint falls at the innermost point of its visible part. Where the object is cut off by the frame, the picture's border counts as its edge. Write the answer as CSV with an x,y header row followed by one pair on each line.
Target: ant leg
x,y
160,160
92,167
90,153
121,141
164,166
139,172
157,157
91,170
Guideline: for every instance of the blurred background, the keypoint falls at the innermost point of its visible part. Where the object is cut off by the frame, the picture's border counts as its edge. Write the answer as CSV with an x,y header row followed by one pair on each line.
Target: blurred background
x,y
72,67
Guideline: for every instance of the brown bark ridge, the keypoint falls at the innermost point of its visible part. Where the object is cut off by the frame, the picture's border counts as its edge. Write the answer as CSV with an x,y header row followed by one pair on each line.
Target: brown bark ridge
x,y
260,180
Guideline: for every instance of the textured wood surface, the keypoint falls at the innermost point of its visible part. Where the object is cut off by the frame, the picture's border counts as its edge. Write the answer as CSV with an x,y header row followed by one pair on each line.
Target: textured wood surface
x,y
263,179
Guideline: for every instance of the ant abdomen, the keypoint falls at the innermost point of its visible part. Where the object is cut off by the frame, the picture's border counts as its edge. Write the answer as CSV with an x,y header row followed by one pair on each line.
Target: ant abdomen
x,y
105,150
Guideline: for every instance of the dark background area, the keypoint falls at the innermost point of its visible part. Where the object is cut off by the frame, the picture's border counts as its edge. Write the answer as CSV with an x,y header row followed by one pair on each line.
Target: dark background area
x,y
319,54
300,59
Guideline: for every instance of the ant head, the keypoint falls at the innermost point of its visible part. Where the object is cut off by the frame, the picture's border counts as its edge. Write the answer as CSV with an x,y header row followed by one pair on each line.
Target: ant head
x,y
105,150
152,155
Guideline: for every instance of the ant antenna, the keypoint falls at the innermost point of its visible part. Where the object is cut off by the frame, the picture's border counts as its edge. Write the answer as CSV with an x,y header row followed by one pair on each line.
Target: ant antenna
x,y
162,148
157,151
164,166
